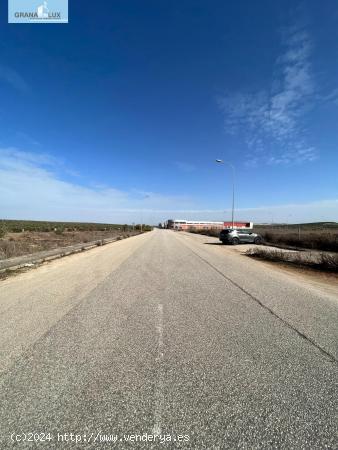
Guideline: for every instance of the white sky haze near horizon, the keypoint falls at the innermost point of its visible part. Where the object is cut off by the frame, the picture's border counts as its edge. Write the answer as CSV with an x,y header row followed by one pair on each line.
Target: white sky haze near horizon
x,y
31,189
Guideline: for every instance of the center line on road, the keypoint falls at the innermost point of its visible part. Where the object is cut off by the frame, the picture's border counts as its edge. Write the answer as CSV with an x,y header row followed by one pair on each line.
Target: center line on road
x,y
159,395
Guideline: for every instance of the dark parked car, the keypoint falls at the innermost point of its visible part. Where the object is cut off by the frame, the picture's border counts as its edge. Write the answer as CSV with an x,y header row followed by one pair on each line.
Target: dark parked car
x,y
239,236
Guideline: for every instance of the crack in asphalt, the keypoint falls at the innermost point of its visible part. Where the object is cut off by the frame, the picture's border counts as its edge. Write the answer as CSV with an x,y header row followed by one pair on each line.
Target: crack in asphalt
x,y
271,311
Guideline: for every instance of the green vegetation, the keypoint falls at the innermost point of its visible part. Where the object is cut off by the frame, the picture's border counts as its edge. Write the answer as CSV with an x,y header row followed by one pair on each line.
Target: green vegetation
x,y
3,229
144,227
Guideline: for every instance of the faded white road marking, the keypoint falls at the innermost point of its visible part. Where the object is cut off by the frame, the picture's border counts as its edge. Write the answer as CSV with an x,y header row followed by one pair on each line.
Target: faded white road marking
x,y
159,395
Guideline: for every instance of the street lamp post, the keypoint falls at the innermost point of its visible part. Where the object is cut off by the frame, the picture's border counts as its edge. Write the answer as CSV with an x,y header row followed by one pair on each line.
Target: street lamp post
x,y
220,161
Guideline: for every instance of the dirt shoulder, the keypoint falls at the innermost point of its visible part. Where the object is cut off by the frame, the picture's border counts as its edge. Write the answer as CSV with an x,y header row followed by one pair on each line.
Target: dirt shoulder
x,y
316,278
326,281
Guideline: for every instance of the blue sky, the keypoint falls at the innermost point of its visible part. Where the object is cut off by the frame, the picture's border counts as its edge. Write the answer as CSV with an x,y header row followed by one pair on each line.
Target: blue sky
x,y
125,109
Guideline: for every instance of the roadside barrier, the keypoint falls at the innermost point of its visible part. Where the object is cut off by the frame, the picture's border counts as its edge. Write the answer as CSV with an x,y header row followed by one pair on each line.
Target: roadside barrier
x,y
30,260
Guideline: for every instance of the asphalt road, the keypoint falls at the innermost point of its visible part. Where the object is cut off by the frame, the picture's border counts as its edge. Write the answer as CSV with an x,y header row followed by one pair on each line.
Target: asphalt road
x,y
167,333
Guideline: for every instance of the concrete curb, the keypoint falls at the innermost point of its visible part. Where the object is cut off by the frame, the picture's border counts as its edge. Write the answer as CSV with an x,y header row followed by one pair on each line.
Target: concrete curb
x,y
48,255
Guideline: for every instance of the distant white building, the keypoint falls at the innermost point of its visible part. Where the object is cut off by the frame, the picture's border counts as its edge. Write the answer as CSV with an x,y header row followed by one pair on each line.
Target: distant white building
x,y
205,225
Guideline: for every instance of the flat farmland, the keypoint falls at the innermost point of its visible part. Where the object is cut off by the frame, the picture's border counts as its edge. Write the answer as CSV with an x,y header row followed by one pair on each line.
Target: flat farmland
x,y
311,236
19,238
316,236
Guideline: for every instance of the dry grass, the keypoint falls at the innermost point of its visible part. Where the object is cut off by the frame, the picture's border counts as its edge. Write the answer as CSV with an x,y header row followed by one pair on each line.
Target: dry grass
x,y
18,244
314,260
320,239
309,236
211,232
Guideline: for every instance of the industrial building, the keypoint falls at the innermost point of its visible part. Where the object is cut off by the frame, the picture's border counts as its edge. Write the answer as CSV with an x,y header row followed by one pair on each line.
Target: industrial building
x,y
181,225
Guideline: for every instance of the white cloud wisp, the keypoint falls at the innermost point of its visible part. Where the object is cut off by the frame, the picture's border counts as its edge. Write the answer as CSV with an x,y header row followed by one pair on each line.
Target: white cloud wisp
x,y
29,189
272,120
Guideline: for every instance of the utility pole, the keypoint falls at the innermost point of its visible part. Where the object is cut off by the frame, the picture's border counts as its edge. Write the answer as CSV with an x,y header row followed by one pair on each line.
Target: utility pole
x,y
220,161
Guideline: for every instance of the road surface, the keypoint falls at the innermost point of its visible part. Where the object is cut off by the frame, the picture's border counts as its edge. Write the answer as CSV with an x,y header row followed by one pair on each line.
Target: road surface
x,y
167,334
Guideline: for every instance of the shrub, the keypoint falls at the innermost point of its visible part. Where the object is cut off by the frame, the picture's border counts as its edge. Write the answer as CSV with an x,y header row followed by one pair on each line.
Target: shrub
x,y
3,230
329,261
7,249
211,232
321,261
312,240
